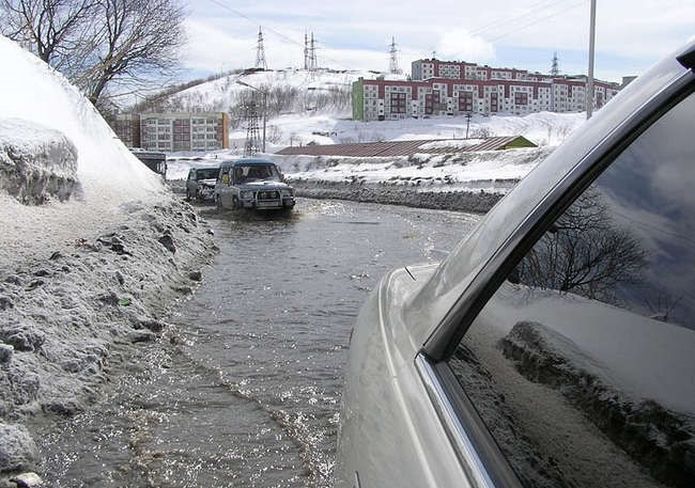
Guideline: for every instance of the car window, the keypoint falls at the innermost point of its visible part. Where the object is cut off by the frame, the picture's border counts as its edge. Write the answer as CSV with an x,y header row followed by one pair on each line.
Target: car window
x,y
582,364
256,172
207,173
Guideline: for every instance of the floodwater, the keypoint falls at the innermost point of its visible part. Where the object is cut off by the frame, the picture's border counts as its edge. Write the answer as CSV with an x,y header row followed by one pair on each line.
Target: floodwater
x,y
244,388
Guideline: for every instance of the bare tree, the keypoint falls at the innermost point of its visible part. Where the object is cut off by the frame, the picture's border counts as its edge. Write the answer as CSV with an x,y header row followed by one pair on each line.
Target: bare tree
x,y
584,252
99,43
138,39
53,29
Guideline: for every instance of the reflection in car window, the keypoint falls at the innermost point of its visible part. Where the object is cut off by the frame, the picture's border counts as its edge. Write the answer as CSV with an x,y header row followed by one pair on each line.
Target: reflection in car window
x,y
582,364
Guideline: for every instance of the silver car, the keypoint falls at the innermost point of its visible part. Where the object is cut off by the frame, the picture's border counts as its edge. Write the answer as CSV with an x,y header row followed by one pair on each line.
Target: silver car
x,y
555,345
200,183
254,184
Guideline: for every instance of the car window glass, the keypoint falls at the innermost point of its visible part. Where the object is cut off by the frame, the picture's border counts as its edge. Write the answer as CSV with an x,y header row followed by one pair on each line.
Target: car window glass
x,y
207,173
256,172
582,364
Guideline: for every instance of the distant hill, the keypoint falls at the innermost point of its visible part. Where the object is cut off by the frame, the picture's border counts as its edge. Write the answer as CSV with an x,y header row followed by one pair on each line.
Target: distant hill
x,y
305,108
289,91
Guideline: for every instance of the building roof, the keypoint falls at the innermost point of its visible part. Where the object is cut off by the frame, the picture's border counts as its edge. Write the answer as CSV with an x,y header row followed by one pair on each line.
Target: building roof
x,y
407,148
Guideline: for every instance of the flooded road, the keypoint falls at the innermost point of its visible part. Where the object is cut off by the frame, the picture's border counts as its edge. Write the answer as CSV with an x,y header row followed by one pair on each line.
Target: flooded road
x,y
246,388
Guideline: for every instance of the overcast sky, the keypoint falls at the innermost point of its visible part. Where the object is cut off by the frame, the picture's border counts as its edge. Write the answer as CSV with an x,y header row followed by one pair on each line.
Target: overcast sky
x,y
631,34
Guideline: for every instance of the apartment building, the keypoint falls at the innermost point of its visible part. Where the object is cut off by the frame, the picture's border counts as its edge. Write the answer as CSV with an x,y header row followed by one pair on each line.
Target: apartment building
x,y
424,69
127,128
454,88
173,132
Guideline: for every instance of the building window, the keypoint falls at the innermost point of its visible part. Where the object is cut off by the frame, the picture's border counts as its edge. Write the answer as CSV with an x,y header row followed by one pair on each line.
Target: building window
x,y
520,98
465,101
398,103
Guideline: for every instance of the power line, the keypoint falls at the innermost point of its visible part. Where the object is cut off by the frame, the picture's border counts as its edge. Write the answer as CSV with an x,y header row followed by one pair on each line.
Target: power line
x,y
536,21
277,33
533,8
531,13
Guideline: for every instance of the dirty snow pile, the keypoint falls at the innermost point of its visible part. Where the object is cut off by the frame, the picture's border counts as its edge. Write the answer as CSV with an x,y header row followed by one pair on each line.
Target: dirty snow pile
x,y
36,163
93,248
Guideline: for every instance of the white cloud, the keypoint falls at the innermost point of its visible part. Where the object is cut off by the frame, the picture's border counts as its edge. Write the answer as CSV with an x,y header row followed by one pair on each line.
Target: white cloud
x,y
460,44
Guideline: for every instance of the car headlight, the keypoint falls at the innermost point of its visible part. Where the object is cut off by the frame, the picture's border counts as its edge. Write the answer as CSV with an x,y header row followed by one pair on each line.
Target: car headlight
x,y
246,195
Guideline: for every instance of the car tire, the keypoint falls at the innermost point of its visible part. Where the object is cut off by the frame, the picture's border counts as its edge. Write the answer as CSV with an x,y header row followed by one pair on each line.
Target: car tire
x,y
235,203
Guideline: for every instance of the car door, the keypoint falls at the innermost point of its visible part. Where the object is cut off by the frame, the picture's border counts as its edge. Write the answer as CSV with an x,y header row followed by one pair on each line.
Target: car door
x,y
574,366
223,185
190,181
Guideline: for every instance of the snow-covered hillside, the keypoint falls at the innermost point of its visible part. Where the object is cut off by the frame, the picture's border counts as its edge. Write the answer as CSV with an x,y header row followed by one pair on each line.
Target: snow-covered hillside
x,y
225,92
320,112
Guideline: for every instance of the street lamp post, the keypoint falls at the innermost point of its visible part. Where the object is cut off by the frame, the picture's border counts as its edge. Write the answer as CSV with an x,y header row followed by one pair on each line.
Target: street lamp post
x,y
590,81
264,93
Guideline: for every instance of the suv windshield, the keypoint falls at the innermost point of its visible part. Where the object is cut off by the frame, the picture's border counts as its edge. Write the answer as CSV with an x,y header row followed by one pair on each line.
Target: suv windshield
x,y
255,172
207,173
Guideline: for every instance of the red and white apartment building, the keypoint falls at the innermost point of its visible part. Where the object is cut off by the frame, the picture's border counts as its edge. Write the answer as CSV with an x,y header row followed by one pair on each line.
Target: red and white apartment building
x,y
455,88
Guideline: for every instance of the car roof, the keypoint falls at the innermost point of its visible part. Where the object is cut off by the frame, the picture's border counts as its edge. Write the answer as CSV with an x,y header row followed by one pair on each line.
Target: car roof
x,y
247,162
428,308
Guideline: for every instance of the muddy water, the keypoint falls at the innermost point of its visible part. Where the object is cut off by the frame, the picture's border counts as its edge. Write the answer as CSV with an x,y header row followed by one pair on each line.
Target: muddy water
x,y
244,388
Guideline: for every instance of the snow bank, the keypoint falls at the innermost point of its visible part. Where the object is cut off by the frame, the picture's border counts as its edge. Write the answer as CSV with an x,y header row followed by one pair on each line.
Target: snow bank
x,y
565,377
495,171
108,174
32,91
82,281
36,163
639,392
618,362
